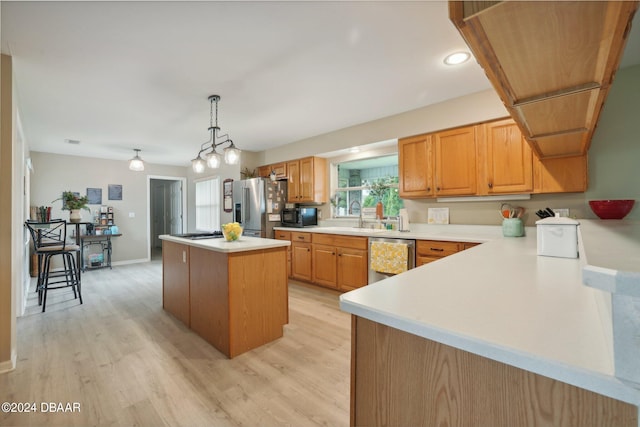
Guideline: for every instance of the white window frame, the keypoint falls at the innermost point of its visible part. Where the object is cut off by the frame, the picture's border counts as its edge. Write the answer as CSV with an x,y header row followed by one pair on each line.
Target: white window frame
x,y
207,201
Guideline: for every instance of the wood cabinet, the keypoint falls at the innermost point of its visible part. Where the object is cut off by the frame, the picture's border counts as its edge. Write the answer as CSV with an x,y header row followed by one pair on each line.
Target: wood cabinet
x,y
285,235
505,160
307,180
551,63
352,268
175,280
279,168
340,262
432,250
235,301
401,379
455,162
301,256
325,267
561,175
439,164
484,159
415,167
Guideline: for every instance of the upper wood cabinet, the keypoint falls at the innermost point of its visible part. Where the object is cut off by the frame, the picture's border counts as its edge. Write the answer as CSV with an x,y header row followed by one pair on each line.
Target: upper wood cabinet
x,y
279,168
439,164
552,63
415,167
489,158
307,180
563,175
505,161
455,162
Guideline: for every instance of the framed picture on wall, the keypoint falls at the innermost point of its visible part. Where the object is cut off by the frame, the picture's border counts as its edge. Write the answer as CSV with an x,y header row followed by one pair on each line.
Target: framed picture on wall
x,y
115,192
227,192
94,195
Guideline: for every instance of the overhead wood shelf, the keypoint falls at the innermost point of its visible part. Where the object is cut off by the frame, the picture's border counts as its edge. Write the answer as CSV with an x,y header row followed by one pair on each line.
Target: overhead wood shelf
x,y
552,63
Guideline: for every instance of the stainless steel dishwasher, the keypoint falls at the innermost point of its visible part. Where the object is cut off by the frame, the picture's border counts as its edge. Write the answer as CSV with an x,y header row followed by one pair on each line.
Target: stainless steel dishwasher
x,y
375,276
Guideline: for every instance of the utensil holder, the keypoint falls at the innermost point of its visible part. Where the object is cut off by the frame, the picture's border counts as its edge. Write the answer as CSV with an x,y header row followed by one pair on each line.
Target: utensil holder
x,y
512,227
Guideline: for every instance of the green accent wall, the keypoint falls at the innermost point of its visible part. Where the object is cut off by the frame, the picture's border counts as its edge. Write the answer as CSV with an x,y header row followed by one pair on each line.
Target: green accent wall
x,y
614,156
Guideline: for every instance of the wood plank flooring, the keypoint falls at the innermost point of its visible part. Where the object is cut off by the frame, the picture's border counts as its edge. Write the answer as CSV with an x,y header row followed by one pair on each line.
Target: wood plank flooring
x,y
128,363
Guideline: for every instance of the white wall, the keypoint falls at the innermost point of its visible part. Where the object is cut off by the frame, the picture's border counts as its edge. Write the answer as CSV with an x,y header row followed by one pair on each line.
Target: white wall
x,y
613,157
55,173
472,108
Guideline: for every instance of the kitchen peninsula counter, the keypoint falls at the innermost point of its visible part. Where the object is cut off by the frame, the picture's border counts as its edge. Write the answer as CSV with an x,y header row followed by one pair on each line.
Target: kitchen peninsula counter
x,y
494,335
233,294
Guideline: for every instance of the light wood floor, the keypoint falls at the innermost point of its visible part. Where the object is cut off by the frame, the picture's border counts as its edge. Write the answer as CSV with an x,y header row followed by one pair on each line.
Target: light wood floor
x,y
127,362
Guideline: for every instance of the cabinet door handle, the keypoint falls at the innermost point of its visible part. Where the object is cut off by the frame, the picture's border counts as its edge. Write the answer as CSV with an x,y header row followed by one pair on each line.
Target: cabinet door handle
x,y
428,188
308,249
301,237
333,253
437,249
437,188
490,185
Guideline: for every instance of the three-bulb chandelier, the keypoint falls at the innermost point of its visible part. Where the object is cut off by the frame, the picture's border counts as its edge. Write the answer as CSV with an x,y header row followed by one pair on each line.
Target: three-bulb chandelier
x,y
213,159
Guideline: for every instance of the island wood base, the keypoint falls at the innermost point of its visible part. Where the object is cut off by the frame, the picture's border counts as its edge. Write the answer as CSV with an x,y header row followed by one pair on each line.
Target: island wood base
x,y
400,379
236,301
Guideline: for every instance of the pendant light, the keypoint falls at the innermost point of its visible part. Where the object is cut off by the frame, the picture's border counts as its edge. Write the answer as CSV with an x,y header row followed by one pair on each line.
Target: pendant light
x,y
212,158
136,164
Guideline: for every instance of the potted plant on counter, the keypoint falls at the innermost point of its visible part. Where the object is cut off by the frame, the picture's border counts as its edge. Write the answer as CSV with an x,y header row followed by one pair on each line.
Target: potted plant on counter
x,y
73,203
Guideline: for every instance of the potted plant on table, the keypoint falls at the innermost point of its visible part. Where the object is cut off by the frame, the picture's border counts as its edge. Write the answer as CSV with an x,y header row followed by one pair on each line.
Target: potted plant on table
x,y
73,203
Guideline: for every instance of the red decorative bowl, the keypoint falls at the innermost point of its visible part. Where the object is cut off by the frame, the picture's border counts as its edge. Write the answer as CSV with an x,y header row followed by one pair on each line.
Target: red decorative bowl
x,y
611,209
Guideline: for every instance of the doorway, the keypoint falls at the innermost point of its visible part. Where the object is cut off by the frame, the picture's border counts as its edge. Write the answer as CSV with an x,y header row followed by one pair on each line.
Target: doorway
x,y
167,210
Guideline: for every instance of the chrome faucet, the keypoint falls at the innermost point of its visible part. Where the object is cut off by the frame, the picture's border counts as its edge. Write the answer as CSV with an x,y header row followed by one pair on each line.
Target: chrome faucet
x,y
360,220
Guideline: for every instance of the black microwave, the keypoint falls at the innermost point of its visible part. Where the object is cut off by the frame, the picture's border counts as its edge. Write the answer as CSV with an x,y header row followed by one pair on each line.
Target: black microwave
x,y
299,217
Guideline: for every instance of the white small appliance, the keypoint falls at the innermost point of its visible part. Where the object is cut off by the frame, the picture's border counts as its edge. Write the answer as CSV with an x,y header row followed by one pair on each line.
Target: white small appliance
x,y
557,237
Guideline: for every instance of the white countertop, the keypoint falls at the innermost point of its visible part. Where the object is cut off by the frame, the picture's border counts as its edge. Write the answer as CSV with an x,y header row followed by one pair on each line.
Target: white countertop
x,y
614,256
244,244
464,233
502,301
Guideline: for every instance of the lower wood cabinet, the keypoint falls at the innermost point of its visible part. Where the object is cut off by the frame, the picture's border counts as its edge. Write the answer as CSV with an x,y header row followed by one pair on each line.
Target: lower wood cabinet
x,y
339,262
432,250
325,268
175,280
285,235
235,301
301,256
352,268
400,379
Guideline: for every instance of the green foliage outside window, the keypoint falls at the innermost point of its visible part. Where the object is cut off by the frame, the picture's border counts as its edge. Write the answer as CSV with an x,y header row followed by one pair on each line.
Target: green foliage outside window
x,y
384,190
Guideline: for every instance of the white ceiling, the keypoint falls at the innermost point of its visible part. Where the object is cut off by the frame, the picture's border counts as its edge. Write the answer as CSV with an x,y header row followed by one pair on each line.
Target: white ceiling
x,y
124,75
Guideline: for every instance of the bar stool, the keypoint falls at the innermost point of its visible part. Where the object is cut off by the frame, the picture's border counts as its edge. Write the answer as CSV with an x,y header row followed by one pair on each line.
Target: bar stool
x,y
50,239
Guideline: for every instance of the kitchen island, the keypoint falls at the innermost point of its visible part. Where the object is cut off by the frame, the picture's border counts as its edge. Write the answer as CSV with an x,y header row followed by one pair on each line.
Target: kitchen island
x,y
233,294
494,335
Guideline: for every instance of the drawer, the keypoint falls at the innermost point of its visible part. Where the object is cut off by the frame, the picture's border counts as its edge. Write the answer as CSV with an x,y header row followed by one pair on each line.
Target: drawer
x,y
282,235
297,236
436,248
341,241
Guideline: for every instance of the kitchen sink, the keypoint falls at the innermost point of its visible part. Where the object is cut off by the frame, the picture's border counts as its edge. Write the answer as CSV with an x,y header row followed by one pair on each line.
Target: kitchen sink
x,y
353,229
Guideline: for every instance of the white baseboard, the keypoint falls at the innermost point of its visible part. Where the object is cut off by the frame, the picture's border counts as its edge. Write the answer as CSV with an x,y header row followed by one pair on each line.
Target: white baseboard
x,y
9,365
130,261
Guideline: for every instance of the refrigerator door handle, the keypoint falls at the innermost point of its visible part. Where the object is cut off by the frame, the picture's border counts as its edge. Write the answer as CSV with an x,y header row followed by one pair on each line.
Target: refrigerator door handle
x,y
245,204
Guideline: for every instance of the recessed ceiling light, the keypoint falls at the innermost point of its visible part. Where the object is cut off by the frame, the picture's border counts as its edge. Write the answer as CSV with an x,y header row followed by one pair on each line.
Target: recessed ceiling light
x,y
457,58
72,141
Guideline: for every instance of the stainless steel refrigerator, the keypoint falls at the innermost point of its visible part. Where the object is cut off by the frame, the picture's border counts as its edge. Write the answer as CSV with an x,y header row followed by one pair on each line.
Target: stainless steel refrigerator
x,y
257,204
